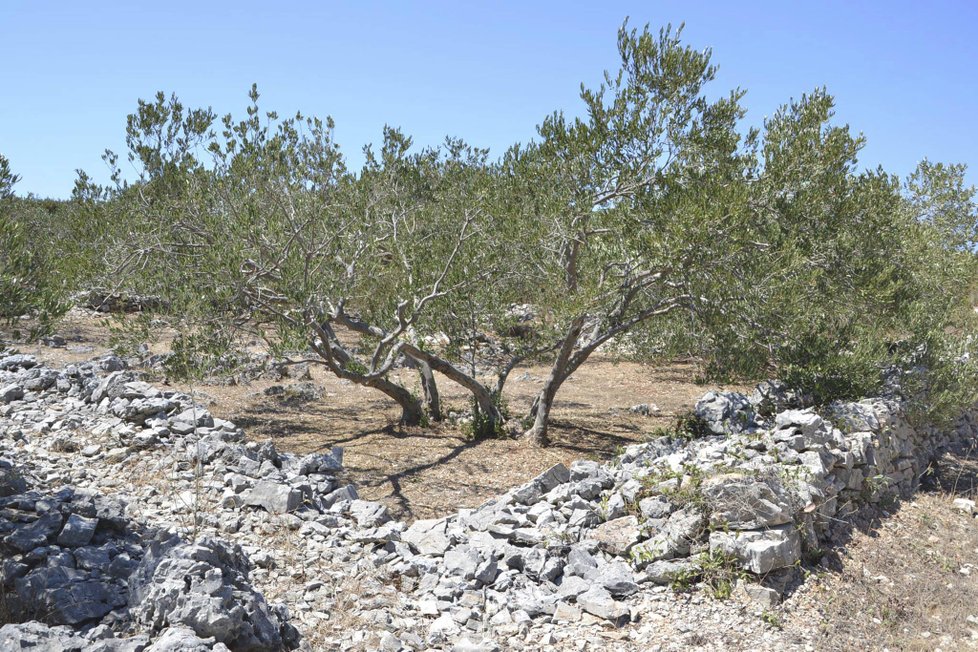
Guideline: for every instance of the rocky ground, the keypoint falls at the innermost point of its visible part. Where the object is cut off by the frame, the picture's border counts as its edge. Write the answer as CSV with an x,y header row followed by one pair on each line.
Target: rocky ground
x,y
416,472
131,519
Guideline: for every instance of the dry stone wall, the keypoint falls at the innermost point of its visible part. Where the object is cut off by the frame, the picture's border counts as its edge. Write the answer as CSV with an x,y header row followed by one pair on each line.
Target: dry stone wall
x,y
131,519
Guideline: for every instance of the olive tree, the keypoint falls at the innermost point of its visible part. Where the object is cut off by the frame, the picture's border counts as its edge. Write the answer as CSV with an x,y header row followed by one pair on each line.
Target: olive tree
x,y
32,284
632,207
940,197
271,235
652,223
7,179
855,273
766,252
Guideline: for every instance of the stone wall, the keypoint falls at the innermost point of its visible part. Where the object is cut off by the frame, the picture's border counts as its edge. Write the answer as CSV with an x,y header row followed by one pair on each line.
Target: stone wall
x,y
766,484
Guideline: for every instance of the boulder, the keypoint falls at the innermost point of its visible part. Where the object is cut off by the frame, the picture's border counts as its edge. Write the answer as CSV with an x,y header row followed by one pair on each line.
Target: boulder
x,y
854,416
597,601
773,396
443,628
369,514
204,587
667,571
77,531
67,596
10,393
743,502
37,637
428,537
802,429
275,498
462,561
683,528
27,537
529,493
655,507
760,551
17,361
725,413
183,639
964,505
618,536
12,482
195,417
579,561
616,577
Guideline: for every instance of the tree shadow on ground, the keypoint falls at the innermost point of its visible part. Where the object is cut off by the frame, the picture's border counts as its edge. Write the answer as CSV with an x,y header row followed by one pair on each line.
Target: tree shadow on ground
x,y
399,465
586,441
955,473
402,507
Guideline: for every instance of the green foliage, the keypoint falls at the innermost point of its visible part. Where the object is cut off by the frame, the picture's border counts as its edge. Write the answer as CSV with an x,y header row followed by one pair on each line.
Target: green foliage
x,y
856,275
719,573
196,355
30,284
683,487
616,209
482,426
7,179
654,223
771,619
127,333
938,197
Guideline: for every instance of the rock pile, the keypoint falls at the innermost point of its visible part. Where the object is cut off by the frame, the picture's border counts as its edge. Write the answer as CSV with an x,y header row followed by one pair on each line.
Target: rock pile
x,y
760,487
74,558
757,495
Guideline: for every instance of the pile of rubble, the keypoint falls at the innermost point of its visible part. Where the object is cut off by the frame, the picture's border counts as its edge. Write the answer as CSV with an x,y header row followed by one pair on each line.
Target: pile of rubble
x,y
213,522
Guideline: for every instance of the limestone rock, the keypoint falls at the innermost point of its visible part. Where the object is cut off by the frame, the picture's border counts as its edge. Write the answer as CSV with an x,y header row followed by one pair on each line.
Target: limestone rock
x,y
37,637
965,505
204,586
598,601
725,412
275,498
10,393
742,502
760,551
618,536
77,531
428,536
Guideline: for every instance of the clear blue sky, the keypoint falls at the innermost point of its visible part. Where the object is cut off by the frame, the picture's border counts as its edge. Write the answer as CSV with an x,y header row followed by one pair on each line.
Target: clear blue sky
x,y
904,73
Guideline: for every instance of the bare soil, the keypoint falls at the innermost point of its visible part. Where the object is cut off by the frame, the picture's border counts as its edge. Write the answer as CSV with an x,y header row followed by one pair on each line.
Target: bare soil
x,y
905,578
431,471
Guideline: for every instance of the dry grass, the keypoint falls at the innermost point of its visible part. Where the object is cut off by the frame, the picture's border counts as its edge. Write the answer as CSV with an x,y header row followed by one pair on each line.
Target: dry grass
x,y
907,579
427,472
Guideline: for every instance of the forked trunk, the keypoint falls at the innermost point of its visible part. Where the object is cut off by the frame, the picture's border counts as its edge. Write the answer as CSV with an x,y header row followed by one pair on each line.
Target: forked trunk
x,y
482,395
338,359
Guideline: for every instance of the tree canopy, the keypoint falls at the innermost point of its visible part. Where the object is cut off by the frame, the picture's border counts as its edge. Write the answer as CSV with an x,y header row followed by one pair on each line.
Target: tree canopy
x,y
654,224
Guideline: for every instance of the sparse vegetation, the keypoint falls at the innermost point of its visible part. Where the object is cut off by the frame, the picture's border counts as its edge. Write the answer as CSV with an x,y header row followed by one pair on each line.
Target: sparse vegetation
x,y
653,224
683,486
652,227
717,572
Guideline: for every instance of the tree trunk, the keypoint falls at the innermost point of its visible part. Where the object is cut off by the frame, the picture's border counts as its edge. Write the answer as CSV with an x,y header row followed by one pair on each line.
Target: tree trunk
x,y
430,389
480,392
540,410
412,412
332,352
